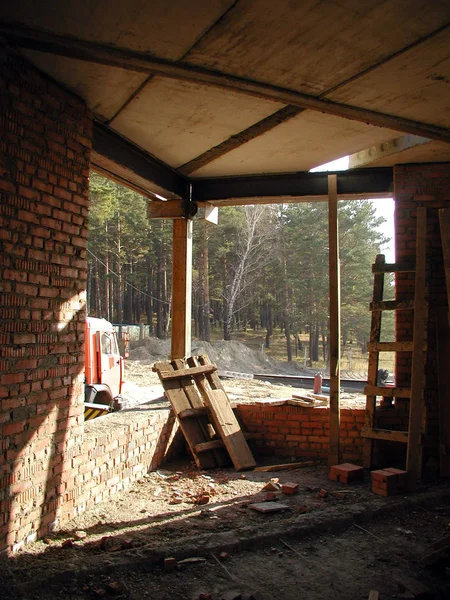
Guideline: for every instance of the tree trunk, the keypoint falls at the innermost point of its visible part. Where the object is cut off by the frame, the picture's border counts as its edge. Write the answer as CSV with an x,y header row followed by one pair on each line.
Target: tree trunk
x,y
160,287
149,299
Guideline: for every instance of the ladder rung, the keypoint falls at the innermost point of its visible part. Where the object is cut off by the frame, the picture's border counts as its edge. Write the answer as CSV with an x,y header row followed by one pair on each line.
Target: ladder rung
x,y
385,434
393,268
390,346
212,445
180,373
193,412
216,444
392,305
387,392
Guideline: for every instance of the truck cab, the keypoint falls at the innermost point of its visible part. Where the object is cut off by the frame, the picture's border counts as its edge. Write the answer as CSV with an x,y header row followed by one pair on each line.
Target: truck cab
x,y
103,364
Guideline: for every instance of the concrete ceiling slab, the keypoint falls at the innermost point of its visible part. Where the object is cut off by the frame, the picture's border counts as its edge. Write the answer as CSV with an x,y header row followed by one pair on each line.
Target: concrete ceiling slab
x,y
430,152
312,46
304,142
162,28
177,120
415,85
105,89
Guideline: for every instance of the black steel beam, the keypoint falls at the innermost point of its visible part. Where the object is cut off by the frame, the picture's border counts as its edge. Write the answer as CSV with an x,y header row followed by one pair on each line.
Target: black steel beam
x,y
114,150
362,181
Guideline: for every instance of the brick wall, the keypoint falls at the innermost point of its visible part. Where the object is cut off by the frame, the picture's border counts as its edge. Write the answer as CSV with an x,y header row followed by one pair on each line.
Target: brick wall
x,y
421,185
45,142
301,432
117,450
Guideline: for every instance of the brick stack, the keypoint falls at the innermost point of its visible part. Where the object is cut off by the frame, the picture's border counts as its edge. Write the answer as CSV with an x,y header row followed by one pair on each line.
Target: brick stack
x,y
45,143
389,482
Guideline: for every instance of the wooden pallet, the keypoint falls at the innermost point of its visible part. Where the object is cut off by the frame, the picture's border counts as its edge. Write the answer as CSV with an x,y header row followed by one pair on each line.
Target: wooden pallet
x,y
204,413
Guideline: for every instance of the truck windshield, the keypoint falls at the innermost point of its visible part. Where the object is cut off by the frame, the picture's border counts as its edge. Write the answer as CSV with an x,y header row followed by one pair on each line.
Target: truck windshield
x,y
109,345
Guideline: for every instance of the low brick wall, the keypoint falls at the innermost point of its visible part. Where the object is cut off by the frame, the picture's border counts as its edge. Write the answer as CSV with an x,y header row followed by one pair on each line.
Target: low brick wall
x,y
116,451
301,432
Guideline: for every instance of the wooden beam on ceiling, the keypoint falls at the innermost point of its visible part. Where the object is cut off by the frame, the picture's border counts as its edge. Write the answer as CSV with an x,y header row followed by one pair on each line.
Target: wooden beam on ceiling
x,y
114,155
364,183
143,63
233,142
379,151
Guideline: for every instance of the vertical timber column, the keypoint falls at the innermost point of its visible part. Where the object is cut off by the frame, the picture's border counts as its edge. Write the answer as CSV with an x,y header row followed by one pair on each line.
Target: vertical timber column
x,y
181,288
335,320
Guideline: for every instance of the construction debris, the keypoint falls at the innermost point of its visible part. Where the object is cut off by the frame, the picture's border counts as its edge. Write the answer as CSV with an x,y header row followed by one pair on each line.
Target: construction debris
x,y
170,564
268,507
286,466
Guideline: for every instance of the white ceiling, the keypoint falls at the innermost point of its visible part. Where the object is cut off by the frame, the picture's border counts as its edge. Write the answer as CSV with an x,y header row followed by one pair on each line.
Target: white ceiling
x,y
386,56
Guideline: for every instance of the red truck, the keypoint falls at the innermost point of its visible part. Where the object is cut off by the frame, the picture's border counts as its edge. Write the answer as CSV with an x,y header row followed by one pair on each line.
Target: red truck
x,y
103,368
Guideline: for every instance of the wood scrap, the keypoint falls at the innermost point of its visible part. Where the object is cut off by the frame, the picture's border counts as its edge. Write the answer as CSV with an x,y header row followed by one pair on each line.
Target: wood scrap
x,y
286,466
373,595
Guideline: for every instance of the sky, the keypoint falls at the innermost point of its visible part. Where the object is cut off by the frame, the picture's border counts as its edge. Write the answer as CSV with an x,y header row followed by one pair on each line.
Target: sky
x,y
384,208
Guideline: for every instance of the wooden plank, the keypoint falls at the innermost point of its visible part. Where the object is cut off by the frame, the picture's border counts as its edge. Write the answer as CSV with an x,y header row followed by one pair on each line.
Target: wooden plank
x,y
193,431
387,392
417,405
171,209
372,370
373,595
443,374
392,305
190,372
223,417
286,466
444,223
393,267
385,434
181,288
335,321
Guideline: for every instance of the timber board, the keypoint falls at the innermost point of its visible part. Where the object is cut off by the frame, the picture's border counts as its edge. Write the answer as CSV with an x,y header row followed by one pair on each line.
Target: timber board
x,y
223,417
195,430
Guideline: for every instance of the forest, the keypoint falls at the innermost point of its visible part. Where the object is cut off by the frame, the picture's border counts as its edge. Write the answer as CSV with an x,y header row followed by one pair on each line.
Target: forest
x,y
262,268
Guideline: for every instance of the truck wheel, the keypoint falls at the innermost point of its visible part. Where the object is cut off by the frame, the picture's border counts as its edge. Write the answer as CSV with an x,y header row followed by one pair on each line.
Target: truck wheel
x,y
103,398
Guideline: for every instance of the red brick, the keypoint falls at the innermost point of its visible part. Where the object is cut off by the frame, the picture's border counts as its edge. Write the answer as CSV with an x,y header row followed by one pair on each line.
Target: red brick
x,y
346,473
289,488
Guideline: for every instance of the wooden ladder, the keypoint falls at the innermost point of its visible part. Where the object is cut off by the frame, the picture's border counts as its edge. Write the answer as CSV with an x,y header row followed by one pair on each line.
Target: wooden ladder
x,y
204,413
417,346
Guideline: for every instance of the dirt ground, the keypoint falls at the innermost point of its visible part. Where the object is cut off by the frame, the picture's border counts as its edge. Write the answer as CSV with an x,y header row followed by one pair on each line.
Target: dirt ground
x,y
143,385
327,541
331,541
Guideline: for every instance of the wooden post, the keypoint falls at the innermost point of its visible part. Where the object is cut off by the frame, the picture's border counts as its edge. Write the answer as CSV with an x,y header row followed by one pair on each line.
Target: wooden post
x,y
417,403
335,320
181,288
444,221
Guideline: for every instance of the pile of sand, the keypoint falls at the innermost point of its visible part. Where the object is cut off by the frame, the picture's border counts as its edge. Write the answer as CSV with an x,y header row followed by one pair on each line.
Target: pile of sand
x,y
228,356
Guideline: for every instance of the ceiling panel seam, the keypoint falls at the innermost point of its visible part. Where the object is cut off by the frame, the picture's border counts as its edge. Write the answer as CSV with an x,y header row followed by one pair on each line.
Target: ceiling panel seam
x,y
144,83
